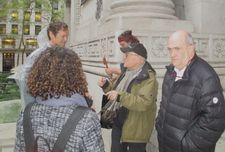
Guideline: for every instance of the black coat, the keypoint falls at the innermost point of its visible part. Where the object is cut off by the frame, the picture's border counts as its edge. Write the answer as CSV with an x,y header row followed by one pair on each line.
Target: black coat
x,y
192,111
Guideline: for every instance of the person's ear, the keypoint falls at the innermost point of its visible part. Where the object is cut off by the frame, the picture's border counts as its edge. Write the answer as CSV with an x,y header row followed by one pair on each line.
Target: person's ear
x,y
191,50
51,35
192,47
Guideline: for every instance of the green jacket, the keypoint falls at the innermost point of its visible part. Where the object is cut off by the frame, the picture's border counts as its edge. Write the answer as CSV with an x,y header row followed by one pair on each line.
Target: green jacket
x,y
140,100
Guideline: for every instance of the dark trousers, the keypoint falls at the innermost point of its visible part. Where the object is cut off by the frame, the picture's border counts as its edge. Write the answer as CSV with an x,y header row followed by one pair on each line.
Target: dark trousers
x,y
117,146
133,147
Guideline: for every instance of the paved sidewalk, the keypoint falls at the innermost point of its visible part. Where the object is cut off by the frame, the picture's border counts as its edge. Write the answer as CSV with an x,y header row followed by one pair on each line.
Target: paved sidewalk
x,y
8,130
7,137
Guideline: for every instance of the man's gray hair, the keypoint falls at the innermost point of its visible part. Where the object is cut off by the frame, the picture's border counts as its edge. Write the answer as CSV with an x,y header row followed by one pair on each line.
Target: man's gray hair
x,y
189,39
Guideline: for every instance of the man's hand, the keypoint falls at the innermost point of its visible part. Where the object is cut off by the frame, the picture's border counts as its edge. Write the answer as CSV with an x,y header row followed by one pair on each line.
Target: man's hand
x,y
112,70
112,95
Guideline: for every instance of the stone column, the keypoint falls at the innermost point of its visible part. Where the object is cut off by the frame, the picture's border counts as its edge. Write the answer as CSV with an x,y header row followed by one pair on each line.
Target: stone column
x,y
208,16
179,9
163,9
73,19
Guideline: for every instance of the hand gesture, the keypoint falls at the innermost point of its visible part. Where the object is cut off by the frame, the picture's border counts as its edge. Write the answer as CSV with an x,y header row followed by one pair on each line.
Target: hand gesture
x,y
112,95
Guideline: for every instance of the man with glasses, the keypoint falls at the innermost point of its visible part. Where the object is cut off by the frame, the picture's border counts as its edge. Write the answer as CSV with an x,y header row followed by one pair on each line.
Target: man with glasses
x,y
124,39
136,91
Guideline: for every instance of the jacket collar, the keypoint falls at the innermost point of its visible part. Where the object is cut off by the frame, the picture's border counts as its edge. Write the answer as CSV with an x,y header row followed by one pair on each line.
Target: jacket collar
x,y
76,99
186,75
144,74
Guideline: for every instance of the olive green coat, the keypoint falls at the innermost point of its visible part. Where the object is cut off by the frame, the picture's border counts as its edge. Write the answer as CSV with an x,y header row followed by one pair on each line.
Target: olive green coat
x,y
140,100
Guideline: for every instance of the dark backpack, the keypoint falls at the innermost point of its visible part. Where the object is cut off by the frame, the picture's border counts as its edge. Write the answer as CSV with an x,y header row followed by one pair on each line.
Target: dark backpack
x,y
68,128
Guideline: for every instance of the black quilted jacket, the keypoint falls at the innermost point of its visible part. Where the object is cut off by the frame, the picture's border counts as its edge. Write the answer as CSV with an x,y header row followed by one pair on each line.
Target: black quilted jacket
x,y
192,111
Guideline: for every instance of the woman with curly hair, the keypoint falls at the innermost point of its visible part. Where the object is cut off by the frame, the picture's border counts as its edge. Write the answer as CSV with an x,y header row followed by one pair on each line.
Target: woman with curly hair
x,y
58,83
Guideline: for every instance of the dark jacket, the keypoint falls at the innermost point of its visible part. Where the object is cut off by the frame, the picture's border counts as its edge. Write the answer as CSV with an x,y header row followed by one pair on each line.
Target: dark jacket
x,y
192,111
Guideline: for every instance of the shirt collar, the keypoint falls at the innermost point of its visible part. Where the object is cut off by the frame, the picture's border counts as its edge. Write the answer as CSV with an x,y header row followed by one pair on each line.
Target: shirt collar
x,y
179,73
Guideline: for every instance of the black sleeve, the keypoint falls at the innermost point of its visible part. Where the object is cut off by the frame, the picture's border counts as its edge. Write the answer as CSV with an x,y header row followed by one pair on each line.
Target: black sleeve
x,y
206,131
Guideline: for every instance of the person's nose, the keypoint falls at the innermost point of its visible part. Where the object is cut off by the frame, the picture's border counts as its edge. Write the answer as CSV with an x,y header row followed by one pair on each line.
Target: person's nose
x,y
172,53
124,57
65,39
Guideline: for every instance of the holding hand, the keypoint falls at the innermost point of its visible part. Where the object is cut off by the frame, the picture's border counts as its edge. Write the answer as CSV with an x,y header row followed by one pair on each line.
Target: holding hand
x,y
112,95
113,70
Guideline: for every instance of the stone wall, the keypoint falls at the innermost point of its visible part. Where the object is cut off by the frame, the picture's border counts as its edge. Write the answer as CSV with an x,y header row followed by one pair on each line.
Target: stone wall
x,y
152,21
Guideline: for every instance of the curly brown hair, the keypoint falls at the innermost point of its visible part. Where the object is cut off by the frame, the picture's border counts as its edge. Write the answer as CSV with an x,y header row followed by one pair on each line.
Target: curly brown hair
x,y
57,72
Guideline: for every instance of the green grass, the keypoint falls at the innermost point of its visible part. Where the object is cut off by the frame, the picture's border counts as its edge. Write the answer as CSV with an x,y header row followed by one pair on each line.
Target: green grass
x,y
9,107
9,111
11,91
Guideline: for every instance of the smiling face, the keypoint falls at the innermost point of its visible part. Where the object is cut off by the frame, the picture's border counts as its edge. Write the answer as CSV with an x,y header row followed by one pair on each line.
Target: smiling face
x,y
60,38
179,50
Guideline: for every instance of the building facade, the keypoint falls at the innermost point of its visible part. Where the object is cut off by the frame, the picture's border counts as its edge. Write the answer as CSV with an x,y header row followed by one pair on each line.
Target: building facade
x,y
96,24
18,33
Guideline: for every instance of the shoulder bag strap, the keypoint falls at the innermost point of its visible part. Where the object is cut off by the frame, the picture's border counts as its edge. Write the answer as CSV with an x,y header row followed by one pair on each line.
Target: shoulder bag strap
x,y
68,128
27,129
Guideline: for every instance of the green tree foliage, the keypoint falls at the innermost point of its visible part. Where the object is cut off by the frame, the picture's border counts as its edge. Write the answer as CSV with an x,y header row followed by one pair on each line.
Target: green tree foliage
x,y
47,6
50,12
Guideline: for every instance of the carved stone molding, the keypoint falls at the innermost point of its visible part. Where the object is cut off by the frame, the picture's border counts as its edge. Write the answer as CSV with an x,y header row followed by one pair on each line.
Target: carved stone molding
x,y
211,49
111,46
96,49
93,49
159,47
103,47
201,46
81,50
219,48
